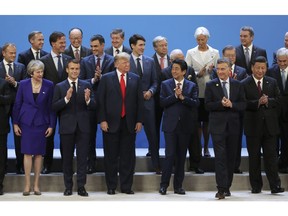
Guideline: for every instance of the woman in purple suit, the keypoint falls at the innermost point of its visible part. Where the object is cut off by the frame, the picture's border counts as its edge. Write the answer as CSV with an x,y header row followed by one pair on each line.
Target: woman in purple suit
x,y
33,120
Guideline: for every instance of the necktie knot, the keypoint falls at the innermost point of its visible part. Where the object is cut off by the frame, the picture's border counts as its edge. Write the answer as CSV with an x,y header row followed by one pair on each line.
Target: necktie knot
x,y
117,51
98,62
179,85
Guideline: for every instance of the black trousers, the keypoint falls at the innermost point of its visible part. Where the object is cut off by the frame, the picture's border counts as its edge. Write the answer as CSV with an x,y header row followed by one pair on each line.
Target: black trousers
x,y
3,157
119,156
79,140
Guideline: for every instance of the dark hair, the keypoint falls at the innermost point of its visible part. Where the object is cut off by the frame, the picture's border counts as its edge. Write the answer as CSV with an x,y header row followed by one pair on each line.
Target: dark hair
x,y
75,61
32,34
260,59
224,60
134,38
118,31
228,47
182,63
249,29
98,37
55,36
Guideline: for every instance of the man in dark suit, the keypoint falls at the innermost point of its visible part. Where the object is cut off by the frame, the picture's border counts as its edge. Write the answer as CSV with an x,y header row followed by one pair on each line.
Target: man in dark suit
x,y
13,74
120,114
224,99
75,50
194,146
261,126
72,100
5,101
179,98
162,60
117,38
55,63
1,55
92,68
144,66
36,39
247,51
279,72
237,73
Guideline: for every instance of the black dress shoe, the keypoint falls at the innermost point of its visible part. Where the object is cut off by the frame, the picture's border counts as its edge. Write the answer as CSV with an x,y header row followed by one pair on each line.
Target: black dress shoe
x,y
158,171
278,189
220,195
163,191
20,171
67,192
128,191
82,192
148,154
180,191
197,170
91,170
255,190
227,193
283,170
238,171
111,191
45,171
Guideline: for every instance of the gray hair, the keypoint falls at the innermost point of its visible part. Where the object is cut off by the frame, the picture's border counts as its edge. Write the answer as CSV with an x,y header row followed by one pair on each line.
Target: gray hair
x,y
175,52
35,65
201,31
122,55
282,52
157,39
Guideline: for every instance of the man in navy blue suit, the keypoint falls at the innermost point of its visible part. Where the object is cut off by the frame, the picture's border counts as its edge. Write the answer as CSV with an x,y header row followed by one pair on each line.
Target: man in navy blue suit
x,y
247,52
238,73
279,72
73,98
55,72
120,114
76,50
144,66
179,98
13,74
225,100
36,39
92,68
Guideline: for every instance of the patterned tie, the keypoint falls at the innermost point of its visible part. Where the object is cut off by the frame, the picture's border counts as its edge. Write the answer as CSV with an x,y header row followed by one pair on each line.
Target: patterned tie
x,y
10,71
77,56
60,68
179,85
247,56
259,88
224,89
283,75
37,55
123,93
98,63
162,62
139,68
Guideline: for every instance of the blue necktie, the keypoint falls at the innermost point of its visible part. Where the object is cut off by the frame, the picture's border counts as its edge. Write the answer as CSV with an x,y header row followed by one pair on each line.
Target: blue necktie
x,y
139,68
60,68
224,89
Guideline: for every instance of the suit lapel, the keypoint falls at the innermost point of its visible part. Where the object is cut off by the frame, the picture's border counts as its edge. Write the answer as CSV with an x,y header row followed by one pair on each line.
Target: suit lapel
x,y
116,83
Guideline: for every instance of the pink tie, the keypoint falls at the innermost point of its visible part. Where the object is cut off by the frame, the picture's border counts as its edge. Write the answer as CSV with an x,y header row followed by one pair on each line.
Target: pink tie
x,y
77,54
162,62
259,88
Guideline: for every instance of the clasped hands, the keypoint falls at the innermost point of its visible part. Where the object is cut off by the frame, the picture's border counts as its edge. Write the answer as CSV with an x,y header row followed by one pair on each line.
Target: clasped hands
x,y
226,102
263,100
178,93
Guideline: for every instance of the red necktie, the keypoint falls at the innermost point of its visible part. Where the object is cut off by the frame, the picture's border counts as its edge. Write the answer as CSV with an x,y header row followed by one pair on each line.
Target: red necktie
x,y
259,88
123,92
98,63
162,63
